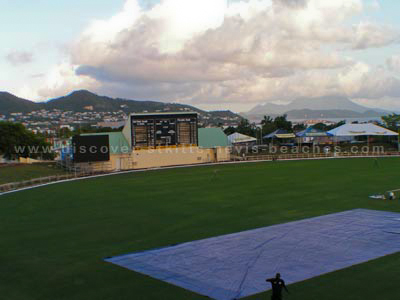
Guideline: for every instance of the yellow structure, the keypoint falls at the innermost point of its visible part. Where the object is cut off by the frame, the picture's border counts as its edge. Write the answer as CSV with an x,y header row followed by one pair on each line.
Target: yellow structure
x,y
28,160
177,156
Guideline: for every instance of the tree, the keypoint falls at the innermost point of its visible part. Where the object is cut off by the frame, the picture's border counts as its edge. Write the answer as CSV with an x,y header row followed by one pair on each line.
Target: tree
x,y
268,125
299,127
391,121
321,126
65,133
267,120
246,128
324,127
230,130
281,122
338,124
16,141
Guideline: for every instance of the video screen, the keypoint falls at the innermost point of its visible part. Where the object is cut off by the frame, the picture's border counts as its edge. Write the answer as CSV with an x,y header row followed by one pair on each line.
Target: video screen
x,y
92,148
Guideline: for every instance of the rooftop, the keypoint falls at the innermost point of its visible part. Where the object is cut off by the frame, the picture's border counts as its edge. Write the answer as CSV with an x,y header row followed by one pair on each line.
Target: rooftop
x,y
212,137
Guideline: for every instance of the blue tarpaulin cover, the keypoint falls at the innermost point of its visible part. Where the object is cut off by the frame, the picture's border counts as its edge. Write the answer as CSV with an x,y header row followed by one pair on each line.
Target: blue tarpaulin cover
x,y
236,265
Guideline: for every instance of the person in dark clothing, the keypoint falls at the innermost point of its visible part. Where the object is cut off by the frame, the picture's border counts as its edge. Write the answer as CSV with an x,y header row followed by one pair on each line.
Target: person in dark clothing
x,y
277,285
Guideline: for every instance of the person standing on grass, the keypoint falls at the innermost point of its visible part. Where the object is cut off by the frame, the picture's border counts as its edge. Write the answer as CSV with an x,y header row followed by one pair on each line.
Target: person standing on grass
x,y
277,285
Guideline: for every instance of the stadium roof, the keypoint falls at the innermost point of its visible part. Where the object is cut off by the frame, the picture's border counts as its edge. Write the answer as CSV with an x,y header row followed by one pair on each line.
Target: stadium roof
x,y
361,129
212,137
118,142
280,134
311,132
236,137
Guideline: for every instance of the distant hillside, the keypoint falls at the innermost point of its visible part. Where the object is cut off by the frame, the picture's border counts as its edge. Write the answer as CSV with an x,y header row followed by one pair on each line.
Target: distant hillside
x,y
80,101
329,107
10,103
333,113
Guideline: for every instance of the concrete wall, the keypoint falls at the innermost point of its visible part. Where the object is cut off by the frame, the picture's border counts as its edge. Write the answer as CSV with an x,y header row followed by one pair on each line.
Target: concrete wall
x,y
121,162
171,157
153,158
223,154
95,167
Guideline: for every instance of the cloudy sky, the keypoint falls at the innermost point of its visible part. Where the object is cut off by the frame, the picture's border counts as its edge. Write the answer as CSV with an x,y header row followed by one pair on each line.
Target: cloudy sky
x,y
214,54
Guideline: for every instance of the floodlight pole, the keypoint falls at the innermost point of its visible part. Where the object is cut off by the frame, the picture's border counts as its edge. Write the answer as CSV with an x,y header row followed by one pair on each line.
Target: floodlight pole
x,y
398,140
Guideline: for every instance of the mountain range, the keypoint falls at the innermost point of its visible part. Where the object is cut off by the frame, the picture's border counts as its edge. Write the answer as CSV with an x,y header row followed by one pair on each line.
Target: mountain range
x,y
302,108
321,107
83,100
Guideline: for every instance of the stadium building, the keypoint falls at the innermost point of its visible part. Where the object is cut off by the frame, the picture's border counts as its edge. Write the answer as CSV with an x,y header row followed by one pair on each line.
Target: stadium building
x,y
151,140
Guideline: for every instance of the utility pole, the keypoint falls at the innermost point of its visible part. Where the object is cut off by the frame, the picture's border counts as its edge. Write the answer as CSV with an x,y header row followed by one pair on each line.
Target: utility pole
x,y
398,136
397,124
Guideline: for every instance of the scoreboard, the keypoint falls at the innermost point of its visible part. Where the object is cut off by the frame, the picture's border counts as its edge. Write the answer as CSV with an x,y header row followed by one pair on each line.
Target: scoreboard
x,y
164,129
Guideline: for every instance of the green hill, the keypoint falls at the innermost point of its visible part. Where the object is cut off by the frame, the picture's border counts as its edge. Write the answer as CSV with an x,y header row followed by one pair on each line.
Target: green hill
x,y
82,100
10,103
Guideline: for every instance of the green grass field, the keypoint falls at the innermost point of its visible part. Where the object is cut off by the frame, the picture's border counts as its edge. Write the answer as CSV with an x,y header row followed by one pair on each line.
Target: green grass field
x,y
53,239
16,173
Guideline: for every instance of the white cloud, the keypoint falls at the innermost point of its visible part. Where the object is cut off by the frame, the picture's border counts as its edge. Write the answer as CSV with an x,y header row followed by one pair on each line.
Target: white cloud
x,y
183,19
368,35
209,51
373,5
63,79
104,31
17,58
393,63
